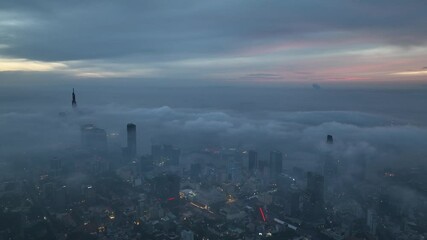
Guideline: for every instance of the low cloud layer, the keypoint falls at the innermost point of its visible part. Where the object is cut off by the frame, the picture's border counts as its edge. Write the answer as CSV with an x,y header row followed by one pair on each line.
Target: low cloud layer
x,y
301,135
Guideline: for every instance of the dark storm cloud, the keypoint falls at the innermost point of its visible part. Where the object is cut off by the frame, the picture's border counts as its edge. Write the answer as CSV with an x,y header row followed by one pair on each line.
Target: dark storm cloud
x,y
62,30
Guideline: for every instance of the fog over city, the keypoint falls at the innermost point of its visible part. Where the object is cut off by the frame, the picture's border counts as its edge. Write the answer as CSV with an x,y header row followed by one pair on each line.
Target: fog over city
x,y
200,120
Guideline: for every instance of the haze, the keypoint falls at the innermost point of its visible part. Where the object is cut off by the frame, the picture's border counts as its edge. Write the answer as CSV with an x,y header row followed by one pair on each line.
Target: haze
x,y
213,119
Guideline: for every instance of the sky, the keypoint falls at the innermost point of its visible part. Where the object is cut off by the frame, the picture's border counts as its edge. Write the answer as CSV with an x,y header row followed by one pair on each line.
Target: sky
x,y
193,42
260,75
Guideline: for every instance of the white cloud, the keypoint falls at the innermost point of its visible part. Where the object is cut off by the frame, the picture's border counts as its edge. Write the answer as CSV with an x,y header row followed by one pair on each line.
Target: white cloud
x,y
14,64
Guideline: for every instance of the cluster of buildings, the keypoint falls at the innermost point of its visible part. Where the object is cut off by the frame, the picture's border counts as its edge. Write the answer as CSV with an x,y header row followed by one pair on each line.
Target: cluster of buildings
x,y
93,192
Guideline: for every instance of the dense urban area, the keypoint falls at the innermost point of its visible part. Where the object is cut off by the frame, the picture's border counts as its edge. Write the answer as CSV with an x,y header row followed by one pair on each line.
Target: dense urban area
x,y
96,191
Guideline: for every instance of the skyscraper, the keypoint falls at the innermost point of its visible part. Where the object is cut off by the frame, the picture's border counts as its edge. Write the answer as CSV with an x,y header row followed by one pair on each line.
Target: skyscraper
x,y
252,160
329,139
330,167
233,162
314,205
315,185
166,188
131,140
73,101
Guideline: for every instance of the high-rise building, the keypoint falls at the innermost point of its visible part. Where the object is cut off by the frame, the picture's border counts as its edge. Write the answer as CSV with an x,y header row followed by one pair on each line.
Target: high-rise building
x,y
330,167
73,101
314,205
252,160
294,202
276,163
131,140
233,161
315,186
93,138
166,188
329,139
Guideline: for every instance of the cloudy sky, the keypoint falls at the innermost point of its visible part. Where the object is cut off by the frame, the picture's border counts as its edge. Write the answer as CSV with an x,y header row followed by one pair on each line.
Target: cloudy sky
x,y
221,41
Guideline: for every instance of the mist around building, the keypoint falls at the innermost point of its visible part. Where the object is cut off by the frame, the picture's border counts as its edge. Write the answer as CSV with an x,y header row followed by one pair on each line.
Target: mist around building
x,y
98,190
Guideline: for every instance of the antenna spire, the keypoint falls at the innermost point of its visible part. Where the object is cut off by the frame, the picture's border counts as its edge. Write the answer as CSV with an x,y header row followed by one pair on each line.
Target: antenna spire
x,y
73,102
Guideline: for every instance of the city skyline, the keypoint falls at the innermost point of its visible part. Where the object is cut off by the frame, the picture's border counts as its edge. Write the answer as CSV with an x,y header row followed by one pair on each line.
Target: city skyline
x,y
213,120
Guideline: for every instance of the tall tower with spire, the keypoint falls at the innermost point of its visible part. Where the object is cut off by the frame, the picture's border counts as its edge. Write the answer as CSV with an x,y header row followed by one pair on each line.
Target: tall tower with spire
x,y
73,102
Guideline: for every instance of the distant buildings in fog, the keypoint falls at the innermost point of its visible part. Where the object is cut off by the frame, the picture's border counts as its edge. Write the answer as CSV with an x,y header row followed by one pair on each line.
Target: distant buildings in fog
x,y
276,163
93,138
130,149
252,161
314,202
162,155
273,167
166,189
330,166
